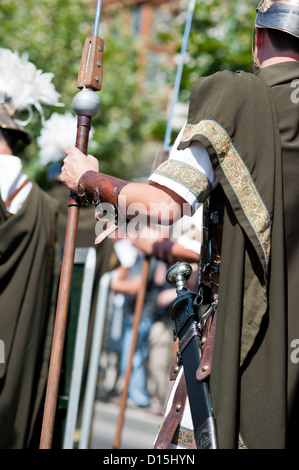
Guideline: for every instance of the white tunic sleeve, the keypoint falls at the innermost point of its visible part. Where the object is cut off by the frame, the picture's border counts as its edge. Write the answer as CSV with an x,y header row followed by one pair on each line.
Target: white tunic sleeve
x,y
187,172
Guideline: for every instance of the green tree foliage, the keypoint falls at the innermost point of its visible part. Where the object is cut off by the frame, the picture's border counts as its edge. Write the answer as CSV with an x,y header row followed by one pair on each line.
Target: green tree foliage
x,y
221,38
134,106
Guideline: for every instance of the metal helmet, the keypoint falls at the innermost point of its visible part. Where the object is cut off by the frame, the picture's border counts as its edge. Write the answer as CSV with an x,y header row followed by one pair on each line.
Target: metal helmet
x,y
23,88
279,14
8,121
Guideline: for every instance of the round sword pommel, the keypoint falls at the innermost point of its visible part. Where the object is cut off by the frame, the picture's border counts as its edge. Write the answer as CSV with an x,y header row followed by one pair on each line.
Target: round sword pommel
x,y
86,103
178,275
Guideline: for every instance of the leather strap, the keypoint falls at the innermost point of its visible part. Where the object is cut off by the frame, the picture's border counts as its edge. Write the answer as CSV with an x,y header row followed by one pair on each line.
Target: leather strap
x,y
174,416
205,366
13,195
174,371
212,231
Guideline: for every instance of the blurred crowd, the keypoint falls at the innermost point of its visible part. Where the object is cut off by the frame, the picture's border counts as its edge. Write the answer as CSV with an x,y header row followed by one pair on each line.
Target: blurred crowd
x,y
155,350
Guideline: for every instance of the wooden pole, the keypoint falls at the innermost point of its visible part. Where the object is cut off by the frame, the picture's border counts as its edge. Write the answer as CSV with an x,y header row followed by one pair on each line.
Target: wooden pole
x,y
86,104
137,317
63,300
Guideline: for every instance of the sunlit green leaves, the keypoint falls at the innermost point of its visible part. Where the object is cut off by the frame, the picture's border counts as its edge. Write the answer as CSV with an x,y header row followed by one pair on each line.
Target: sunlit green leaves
x,y
136,93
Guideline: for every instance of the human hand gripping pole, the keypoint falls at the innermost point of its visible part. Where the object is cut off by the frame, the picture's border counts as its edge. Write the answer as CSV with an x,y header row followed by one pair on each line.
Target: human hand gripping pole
x,y
86,105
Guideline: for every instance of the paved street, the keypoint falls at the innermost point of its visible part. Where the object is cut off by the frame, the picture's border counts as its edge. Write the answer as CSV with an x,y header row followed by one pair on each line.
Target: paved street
x,y
139,430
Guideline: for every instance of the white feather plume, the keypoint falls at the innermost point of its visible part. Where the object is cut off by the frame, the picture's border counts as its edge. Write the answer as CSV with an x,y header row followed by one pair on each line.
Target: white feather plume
x,y
23,86
58,132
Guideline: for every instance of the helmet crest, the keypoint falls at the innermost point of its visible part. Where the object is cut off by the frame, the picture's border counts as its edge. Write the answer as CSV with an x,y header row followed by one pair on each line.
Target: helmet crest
x,y
265,5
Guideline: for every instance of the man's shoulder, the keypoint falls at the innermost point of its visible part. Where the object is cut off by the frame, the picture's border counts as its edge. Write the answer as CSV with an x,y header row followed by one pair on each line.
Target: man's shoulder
x,y
228,79
227,87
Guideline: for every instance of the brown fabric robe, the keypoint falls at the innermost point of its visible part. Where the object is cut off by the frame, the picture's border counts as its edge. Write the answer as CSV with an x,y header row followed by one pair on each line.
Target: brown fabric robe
x,y
250,128
29,271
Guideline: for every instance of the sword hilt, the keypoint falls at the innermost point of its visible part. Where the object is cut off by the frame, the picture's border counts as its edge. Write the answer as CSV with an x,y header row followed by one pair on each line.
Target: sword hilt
x,y
178,275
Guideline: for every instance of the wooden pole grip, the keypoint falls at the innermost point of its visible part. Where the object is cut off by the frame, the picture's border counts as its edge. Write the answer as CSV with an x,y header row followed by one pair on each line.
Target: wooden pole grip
x,y
84,125
83,128
137,318
59,328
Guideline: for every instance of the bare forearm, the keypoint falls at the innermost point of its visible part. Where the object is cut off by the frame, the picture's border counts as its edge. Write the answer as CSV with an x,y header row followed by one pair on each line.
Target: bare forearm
x,y
173,252
126,286
81,174
157,203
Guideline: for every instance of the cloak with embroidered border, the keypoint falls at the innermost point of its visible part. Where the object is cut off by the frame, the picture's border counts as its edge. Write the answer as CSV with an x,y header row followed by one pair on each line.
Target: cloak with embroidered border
x,y
234,116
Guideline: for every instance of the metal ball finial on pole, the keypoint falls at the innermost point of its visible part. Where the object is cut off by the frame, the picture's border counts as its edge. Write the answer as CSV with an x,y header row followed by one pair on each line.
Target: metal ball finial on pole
x,y
86,105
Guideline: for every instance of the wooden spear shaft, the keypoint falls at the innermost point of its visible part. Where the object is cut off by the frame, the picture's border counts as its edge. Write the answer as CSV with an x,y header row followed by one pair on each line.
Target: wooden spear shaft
x,y
137,317
86,104
84,124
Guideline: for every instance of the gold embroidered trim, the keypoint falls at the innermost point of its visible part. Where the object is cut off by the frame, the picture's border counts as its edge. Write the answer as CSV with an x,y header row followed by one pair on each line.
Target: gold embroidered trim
x,y
241,443
183,437
238,177
184,174
265,5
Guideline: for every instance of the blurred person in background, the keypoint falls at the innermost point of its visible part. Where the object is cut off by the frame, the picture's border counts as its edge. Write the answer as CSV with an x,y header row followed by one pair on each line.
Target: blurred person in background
x,y
29,259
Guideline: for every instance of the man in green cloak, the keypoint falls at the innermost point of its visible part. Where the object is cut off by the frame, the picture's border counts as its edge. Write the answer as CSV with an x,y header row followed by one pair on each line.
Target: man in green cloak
x,y
29,260
242,133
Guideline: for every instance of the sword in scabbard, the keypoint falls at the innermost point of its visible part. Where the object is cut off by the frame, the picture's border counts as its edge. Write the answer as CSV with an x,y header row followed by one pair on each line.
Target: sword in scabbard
x,y
86,105
189,328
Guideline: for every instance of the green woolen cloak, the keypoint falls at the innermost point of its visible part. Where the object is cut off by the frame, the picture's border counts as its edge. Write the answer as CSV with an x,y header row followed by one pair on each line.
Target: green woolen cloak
x,y
29,271
237,117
